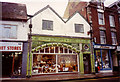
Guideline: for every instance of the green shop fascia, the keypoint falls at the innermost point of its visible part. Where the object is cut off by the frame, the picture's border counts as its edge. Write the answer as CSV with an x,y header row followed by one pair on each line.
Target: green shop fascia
x,y
56,54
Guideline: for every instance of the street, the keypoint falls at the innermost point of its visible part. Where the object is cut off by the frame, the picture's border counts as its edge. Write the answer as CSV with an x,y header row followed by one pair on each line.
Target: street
x,y
108,79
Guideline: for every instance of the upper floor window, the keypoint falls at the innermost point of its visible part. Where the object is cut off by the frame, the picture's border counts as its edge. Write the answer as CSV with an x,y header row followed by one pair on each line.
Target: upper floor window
x,y
102,37
111,20
79,28
101,18
47,25
8,31
114,39
119,20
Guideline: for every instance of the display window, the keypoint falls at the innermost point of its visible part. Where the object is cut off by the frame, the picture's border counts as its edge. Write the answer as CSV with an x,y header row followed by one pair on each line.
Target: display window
x,y
11,64
54,60
103,58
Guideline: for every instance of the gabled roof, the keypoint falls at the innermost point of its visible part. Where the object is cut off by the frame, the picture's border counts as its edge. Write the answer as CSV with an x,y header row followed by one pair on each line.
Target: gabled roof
x,y
56,14
50,9
13,11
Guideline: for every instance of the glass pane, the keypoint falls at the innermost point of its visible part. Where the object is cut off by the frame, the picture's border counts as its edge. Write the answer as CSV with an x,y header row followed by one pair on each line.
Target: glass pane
x,y
79,28
56,49
42,51
6,33
46,50
61,50
51,49
66,50
98,58
111,19
44,64
67,63
13,33
105,59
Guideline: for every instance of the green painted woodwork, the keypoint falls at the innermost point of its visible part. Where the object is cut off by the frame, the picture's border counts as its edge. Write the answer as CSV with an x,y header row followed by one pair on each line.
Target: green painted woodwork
x,y
55,45
92,63
29,69
81,63
60,39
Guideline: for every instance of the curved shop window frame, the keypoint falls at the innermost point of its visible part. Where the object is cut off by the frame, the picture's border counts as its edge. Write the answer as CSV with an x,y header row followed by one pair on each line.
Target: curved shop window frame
x,y
63,58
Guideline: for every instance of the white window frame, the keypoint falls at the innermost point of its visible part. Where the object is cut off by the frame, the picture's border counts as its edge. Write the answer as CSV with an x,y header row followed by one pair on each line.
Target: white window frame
x,y
114,38
46,23
9,31
101,20
102,38
112,21
80,27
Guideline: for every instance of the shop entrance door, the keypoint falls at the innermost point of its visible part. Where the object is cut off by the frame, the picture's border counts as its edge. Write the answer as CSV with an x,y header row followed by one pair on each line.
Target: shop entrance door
x,y
11,64
6,64
87,64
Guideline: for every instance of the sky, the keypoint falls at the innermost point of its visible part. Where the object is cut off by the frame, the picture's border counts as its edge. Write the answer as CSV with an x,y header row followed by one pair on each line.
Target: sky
x,y
58,5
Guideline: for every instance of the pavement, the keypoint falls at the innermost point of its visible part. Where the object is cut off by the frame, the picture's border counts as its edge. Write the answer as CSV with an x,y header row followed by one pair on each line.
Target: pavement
x,y
64,77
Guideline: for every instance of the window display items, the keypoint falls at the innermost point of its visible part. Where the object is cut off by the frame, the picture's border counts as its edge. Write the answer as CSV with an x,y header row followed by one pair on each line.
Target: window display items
x,y
54,63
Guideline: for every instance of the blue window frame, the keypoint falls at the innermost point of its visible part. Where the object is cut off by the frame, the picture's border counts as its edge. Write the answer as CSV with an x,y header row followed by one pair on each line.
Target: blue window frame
x,y
104,59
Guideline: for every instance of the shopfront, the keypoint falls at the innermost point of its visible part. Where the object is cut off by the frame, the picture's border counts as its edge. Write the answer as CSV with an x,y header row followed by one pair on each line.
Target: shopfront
x,y
11,58
103,54
56,55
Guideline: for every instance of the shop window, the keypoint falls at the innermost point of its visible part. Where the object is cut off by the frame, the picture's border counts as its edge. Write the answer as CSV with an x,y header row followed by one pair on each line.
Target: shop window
x,y
111,20
8,31
67,63
79,28
101,18
98,57
103,59
47,25
114,39
102,37
57,61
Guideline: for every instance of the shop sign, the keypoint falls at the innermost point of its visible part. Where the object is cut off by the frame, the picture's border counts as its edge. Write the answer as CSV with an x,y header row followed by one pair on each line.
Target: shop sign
x,y
60,39
118,48
11,46
86,47
104,47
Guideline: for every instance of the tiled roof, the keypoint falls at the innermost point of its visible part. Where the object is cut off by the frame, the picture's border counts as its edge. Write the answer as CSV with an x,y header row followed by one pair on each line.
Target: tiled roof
x,y
14,11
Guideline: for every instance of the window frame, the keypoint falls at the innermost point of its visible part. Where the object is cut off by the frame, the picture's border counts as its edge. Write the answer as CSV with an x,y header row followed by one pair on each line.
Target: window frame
x,y
103,37
99,18
114,38
78,26
9,35
112,20
47,23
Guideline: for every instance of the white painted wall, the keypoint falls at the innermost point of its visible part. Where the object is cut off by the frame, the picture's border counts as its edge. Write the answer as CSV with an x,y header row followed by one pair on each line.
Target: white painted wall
x,y
22,30
59,27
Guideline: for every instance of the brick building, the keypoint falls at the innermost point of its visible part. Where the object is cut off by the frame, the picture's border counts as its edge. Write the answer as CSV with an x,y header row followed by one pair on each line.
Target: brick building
x,y
105,31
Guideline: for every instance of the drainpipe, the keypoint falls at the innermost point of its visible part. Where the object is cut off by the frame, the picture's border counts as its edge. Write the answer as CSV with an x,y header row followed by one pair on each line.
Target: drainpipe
x,y
91,39
30,41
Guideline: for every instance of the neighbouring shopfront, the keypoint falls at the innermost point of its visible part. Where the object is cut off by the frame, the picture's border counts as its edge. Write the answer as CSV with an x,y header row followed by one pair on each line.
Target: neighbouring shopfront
x,y
12,59
103,54
53,55
118,56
